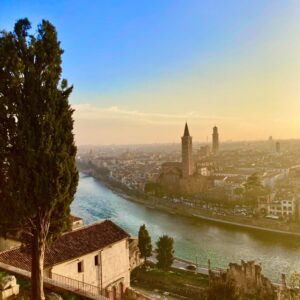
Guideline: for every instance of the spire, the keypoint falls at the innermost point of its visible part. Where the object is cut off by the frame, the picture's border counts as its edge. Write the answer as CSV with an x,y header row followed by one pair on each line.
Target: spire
x,y
186,130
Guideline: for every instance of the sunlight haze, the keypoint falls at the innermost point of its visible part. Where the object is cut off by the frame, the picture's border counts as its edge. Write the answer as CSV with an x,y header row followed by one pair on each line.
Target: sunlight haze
x,y
231,64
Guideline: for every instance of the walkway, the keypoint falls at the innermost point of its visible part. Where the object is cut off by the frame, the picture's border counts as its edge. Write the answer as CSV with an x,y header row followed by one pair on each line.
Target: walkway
x,y
55,284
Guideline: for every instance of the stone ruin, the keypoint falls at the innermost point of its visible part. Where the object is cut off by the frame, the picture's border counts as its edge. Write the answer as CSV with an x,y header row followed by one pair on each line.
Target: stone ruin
x,y
8,287
247,279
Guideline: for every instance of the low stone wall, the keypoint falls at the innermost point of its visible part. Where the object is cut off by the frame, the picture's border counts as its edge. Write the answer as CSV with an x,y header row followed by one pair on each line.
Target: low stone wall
x,y
132,294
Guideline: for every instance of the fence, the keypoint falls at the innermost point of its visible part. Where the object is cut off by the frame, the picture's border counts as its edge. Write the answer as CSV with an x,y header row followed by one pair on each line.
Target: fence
x,y
60,283
85,289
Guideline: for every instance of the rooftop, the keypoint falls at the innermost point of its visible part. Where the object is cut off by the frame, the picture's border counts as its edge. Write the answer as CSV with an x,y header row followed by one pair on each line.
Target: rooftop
x,y
186,130
70,245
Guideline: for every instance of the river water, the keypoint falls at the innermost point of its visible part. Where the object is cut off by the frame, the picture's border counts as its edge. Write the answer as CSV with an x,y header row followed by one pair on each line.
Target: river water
x,y
193,239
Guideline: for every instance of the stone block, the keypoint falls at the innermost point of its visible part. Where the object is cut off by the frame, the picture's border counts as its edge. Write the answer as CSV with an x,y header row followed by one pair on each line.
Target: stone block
x,y
11,291
8,281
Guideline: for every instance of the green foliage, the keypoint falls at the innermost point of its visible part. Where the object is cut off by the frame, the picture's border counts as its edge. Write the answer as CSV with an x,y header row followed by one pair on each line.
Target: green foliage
x,y
145,245
155,188
25,284
253,182
38,173
175,281
253,188
165,252
69,296
238,191
38,170
3,274
222,291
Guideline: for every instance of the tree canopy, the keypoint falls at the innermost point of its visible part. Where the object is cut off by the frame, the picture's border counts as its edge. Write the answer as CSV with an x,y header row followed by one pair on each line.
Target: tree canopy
x,y
38,174
253,188
155,188
165,252
145,245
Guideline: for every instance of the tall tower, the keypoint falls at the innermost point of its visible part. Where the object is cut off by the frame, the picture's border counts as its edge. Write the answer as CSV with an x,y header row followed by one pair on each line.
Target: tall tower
x,y
187,153
215,140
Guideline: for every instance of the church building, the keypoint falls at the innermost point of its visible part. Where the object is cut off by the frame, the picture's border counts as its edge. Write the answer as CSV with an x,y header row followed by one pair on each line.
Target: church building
x,y
181,178
187,153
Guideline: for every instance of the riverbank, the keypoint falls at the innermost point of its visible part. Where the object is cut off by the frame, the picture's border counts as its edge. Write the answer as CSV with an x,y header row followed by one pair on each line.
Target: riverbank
x,y
220,221
246,223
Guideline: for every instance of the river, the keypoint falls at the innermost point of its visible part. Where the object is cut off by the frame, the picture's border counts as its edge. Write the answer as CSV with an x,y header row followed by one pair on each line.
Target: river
x,y
193,239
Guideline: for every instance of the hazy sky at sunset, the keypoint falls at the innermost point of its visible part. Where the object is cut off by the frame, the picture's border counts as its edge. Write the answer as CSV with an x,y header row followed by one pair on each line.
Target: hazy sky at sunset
x,y
141,68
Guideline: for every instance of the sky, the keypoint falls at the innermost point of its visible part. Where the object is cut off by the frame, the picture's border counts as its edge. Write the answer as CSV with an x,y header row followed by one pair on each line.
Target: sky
x,y
141,69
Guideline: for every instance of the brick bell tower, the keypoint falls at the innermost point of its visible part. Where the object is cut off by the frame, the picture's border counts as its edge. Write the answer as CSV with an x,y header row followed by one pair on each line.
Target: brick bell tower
x,y
187,153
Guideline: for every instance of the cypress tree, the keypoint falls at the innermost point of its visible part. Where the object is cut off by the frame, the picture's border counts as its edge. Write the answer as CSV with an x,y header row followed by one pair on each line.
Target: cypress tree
x,y
38,174
165,252
145,245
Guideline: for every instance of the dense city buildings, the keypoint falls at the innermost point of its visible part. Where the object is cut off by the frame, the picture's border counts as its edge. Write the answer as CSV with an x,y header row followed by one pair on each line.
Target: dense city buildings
x,y
190,171
245,182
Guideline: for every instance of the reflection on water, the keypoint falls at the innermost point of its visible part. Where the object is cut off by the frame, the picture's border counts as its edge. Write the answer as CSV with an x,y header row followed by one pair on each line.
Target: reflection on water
x,y
193,238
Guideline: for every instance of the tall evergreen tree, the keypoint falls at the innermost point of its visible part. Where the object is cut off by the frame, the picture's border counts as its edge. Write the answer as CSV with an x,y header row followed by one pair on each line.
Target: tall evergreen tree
x,y
165,252
38,174
145,245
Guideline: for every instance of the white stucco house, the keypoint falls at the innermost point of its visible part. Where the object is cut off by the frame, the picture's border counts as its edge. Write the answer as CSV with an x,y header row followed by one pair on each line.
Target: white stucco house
x,y
96,256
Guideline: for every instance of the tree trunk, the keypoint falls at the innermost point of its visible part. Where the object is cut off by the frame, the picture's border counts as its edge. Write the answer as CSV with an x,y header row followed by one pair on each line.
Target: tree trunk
x,y
37,265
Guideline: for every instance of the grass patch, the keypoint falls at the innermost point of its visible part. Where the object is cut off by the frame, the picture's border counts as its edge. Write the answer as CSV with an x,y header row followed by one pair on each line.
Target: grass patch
x,y
25,284
177,276
69,296
175,281
2,274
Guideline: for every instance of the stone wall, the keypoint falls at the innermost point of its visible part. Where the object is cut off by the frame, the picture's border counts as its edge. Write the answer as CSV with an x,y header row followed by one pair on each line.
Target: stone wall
x,y
134,253
248,280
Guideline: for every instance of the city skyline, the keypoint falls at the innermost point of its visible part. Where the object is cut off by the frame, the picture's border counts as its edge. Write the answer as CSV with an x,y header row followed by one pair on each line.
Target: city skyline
x,y
144,68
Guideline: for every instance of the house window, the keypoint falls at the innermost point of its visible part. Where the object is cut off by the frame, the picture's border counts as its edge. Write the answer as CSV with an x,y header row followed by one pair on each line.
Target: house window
x,y
96,260
80,267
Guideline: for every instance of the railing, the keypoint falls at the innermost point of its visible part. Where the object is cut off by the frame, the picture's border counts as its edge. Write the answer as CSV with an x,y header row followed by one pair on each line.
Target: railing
x,y
60,282
86,289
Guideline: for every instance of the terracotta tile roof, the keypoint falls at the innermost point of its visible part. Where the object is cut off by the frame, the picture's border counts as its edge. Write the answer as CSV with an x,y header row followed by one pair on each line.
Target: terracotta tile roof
x,y
70,245
16,258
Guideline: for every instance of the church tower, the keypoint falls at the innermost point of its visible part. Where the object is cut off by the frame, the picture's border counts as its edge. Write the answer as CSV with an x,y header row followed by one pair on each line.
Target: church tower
x,y
215,140
187,153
